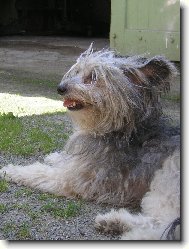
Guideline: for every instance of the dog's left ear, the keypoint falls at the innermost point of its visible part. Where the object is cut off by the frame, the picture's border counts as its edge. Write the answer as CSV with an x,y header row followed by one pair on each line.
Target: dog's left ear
x,y
157,69
155,72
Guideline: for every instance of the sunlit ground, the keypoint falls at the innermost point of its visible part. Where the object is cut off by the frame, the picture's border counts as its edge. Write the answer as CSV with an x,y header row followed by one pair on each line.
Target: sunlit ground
x,y
27,106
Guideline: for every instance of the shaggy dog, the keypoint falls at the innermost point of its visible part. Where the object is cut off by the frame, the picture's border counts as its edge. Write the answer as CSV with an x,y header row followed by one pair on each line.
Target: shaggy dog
x,y
119,145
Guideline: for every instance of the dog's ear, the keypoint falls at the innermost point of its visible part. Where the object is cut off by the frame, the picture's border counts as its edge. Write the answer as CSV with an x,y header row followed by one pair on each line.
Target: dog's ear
x,y
155,71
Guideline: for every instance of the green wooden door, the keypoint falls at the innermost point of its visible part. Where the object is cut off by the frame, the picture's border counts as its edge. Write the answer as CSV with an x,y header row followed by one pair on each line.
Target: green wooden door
x,y
146,26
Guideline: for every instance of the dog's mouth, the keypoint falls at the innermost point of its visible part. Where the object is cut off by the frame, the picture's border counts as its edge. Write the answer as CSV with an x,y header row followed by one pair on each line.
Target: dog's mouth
x,y
73,104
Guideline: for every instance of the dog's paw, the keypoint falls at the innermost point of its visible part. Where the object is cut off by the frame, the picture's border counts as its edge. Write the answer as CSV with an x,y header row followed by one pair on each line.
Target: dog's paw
x,y
109,223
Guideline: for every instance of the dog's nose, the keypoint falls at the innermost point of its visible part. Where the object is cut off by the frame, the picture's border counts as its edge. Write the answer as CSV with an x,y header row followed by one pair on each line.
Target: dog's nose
x,y
61,89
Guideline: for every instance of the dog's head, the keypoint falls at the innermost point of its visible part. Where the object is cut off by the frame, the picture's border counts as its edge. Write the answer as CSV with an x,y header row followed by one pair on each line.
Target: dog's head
x,y
104,92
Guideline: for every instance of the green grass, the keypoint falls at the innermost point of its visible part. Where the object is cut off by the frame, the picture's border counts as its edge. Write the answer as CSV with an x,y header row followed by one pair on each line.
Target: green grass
x,y
9,227
23,192
70,210
21,233
4,186
45,196
27,209
33,142
15,141
3,208
34,215
22,207
48,203
29,136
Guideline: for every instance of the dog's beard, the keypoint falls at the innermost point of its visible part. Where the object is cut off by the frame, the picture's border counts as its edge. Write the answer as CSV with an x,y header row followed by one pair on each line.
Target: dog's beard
x,y
87,118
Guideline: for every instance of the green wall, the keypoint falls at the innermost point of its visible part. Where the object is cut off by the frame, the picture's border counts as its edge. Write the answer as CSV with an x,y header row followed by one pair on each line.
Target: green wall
x,y
146,26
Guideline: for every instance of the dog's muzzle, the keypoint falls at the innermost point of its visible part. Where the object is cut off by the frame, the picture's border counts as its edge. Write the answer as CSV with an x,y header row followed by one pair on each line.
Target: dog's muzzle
x,y
71,104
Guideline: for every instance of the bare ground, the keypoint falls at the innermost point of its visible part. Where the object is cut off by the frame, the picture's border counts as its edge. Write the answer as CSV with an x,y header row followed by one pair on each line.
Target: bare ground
x,y
49,58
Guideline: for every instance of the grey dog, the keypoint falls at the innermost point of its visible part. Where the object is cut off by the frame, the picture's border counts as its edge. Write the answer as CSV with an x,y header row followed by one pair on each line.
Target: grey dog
x,y
120,139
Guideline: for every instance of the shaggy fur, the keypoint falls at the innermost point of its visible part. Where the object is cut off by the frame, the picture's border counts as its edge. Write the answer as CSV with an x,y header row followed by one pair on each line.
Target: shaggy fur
x,y
119,141
160,207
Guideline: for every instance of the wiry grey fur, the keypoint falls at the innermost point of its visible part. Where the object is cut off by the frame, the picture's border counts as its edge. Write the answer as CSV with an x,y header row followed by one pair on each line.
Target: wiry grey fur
x,y
118,142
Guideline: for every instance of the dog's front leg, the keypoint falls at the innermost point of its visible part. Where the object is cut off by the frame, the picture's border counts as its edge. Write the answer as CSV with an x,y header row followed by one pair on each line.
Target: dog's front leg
x,y
37,175
55,159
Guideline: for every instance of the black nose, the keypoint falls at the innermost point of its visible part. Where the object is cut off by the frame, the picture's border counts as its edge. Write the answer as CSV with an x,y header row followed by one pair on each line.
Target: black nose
x,y
61,89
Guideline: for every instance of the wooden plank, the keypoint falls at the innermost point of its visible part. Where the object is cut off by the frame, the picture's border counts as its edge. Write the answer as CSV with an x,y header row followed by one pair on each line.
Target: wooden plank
x,y
146,26
152,42
117,27
164,15
137,14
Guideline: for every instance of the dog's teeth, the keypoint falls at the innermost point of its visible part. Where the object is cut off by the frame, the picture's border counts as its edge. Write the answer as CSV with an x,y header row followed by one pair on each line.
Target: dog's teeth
x,y
74,104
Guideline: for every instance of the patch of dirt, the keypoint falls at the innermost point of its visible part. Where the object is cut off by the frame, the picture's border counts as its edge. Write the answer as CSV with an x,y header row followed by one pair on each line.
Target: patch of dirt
x,y
43,54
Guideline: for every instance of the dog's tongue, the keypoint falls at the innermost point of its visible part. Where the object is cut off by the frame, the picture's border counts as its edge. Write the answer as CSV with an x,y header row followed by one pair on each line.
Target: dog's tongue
x,y
67,102
70,102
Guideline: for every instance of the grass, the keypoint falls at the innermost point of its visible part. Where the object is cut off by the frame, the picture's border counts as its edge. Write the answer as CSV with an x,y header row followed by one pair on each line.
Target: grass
x,y
21,206
3,208
23,192
4,186
71,209
22,232
34,215
27,135
27,209
49,203
9,227
45,196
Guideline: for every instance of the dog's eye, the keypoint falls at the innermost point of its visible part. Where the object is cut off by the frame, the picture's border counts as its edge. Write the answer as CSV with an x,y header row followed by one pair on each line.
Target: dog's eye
x,y
91,78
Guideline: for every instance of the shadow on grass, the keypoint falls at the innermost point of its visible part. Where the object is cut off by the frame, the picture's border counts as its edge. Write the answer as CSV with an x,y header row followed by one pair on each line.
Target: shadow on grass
x,y
33,135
